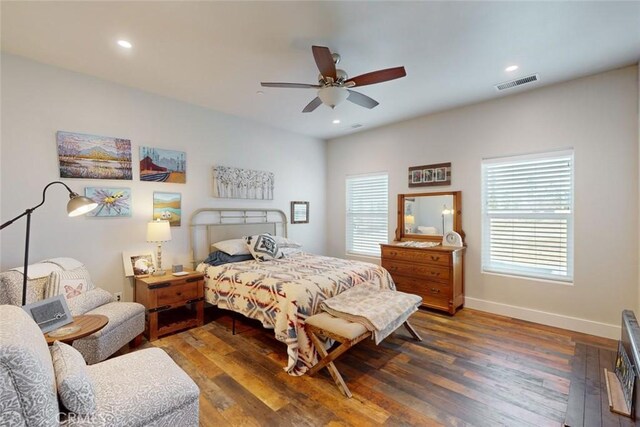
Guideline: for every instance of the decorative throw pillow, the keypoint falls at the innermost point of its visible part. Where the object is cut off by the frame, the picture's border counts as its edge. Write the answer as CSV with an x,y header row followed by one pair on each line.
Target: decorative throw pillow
x,y
74,385
263,247
88,301
11,288
232,247
69,283
283,242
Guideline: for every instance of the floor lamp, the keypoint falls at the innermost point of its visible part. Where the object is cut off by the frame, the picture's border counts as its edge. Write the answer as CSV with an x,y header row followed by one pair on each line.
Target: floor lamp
x,y
77,205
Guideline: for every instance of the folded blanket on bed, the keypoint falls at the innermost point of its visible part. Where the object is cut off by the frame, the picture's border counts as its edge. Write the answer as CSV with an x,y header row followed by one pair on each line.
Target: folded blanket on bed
x,y
379,310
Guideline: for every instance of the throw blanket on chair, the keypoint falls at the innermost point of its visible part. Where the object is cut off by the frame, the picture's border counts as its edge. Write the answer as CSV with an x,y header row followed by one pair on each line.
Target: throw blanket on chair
x,y
379,310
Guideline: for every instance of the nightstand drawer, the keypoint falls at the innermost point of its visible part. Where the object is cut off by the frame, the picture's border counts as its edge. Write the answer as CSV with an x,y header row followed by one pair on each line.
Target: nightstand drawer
x,y
177,293
419,256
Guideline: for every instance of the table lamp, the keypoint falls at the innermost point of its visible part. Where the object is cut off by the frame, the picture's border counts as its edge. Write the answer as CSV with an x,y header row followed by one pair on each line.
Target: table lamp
x,y
77,205
157,232
445,211
409,220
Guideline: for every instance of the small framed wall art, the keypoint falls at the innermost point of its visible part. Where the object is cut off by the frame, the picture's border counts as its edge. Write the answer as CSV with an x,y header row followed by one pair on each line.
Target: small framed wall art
x,y
299,212
430,175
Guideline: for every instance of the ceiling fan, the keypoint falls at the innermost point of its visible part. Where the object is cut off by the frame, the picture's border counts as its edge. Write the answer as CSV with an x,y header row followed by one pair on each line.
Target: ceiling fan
x,y
334,85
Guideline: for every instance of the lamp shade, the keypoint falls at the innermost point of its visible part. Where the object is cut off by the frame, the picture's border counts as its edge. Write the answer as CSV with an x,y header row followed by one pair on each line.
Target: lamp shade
x,y
78,205
158,231
409,219
332,95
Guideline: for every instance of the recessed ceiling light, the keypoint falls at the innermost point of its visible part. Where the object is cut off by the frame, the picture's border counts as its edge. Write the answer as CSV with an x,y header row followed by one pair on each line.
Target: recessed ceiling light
x,y
259,92
336,121
511,68
125,44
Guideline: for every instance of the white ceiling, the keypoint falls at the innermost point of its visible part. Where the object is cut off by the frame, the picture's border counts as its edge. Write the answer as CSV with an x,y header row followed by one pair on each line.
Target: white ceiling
x,y
215,54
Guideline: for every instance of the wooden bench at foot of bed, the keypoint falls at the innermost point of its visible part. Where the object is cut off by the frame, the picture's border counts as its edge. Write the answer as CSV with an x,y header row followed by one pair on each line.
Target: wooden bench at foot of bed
x,y
347,334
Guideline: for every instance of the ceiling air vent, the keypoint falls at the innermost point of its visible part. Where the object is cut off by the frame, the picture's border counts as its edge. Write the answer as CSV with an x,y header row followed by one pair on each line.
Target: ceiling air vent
x,y
518,82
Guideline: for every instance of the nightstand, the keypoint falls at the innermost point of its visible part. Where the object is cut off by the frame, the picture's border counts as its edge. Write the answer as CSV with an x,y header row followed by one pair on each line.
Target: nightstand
x,y
172,303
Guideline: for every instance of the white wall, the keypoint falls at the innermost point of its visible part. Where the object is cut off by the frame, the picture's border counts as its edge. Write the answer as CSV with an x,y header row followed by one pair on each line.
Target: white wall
x,y
38,100
598,117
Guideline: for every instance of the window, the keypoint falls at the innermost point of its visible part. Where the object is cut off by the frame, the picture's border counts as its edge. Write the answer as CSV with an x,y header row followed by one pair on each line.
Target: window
x,y
367,213
527,212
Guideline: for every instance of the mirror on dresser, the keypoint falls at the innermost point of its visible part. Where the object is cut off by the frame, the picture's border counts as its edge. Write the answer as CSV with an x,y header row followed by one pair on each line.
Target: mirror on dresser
x,y
427,216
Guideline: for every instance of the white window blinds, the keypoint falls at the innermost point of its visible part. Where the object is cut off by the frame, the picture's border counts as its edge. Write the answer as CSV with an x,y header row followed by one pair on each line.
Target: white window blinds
x,y
527,205
367,213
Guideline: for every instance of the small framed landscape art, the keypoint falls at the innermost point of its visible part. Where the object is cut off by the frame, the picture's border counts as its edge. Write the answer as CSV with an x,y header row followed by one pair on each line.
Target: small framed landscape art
x,y
159,165
430,175
112,202
168,207
93,156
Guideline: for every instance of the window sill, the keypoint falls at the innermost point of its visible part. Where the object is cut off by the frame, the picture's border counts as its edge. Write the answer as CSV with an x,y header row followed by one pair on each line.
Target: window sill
x,y
528,278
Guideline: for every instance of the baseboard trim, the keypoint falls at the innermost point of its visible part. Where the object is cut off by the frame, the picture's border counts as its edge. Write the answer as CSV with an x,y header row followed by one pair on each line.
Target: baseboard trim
x,y
551,319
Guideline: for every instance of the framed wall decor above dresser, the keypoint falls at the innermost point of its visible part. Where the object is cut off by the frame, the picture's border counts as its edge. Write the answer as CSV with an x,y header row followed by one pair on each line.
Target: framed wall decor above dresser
x,y
436,273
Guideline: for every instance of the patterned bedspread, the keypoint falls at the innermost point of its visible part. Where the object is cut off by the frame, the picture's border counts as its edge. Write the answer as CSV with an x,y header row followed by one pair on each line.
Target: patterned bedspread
x,y
283,293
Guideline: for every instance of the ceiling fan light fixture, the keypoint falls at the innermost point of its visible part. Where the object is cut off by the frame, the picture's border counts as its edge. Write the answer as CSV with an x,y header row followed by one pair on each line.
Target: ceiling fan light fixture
x,y
332,95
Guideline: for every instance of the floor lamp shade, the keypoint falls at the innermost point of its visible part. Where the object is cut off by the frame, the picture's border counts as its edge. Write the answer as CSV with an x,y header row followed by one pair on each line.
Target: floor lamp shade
x,y
158,232
77,205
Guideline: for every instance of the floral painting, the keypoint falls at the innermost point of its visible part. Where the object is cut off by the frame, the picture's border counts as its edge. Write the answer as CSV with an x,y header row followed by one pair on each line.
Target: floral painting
x,y
236,183
161,165
112,202
93,157
168,207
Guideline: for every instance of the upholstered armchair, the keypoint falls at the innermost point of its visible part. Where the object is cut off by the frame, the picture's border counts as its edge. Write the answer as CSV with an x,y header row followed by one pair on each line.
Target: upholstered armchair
x,y
38,386
48,278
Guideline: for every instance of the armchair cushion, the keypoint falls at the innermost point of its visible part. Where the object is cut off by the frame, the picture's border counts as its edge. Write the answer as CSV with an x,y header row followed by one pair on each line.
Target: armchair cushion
x,y
126,321
27,382
139,395
11,288
69,283
74,386
89,301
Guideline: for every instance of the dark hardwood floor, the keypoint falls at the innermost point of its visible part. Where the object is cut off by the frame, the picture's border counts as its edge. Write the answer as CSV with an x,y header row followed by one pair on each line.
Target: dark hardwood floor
x,y
473,369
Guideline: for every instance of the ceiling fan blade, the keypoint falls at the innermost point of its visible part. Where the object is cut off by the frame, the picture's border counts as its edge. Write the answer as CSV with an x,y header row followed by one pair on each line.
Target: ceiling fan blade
x,y
290,85
315,103
362,100
324,61
378,76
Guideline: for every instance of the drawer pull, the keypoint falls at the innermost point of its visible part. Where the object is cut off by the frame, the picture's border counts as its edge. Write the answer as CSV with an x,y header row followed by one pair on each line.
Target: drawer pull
x,y
178,293
162,308
193,279
434,258
393,253
435,273
435,291
195,300
160,285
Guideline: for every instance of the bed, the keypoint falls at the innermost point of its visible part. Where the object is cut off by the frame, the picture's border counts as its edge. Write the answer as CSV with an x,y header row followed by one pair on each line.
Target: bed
x,y
280,293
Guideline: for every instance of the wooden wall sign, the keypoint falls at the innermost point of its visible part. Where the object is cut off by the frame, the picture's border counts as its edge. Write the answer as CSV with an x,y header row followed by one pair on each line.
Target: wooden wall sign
x,y
430,175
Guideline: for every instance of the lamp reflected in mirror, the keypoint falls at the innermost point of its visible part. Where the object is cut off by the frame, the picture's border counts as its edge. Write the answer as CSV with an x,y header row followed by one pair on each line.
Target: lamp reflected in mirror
x,y
445,211
409,221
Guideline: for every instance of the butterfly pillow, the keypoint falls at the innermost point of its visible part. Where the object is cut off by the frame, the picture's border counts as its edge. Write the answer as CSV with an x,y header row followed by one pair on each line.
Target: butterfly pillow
x,y
71,283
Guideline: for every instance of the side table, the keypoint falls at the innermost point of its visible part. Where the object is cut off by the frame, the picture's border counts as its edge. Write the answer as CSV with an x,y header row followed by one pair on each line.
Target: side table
x,y
88,324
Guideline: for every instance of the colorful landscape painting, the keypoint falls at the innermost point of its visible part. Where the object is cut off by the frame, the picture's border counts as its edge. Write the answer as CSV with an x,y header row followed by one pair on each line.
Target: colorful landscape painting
x,y
93,157
161,165
112,202
168,207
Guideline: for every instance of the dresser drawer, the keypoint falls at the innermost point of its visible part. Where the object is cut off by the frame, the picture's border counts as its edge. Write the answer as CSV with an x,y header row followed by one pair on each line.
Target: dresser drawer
x,y
177,294
425,271
419,256
423,287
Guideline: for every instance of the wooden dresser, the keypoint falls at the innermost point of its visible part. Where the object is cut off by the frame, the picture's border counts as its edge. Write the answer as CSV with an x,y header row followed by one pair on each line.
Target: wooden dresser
x,y
436,274
173,303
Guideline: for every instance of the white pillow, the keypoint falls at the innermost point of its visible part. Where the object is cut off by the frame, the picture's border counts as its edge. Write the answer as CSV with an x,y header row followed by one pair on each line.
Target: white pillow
x,y
287,252
88,301
263,247
69,283
232,247
283,242
74,386
427,230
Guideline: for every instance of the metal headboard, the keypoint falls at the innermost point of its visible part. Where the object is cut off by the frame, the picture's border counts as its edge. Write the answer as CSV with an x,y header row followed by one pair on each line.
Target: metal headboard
x,y
210,225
